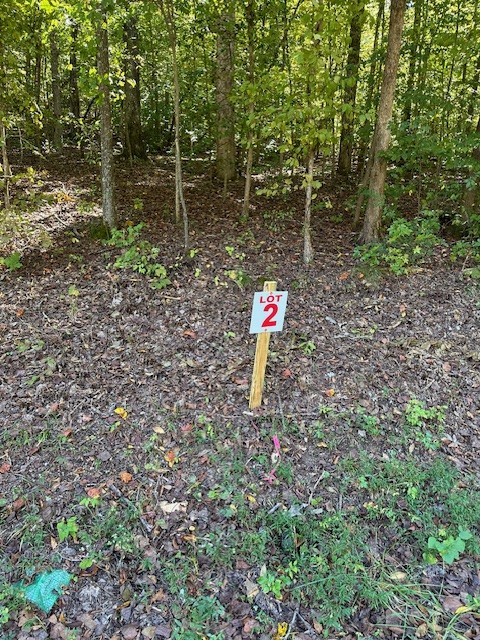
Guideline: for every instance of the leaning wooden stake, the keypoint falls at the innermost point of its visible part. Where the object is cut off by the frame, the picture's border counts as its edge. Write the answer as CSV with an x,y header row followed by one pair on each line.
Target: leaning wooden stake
x,y
260,364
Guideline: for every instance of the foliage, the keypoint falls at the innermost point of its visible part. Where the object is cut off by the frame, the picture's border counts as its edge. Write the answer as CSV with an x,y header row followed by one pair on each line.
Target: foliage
x,y
139,256
12,262
204,612
448,547
407,243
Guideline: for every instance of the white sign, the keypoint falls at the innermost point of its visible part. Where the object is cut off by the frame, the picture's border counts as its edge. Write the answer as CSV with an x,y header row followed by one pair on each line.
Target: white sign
x,y
268,311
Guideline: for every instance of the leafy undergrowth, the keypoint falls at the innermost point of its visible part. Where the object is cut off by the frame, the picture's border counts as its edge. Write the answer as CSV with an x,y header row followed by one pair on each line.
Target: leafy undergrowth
x,y
348,506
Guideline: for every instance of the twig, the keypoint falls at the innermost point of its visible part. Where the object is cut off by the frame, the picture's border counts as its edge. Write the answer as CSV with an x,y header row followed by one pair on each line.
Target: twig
x,y
307,625
292,622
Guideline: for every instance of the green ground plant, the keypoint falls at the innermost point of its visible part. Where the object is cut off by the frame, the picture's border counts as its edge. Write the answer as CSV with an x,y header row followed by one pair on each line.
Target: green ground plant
x,y
407,243
139,255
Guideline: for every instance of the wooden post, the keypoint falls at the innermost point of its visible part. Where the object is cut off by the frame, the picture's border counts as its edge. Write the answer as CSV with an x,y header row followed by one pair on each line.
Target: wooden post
x,y
261,354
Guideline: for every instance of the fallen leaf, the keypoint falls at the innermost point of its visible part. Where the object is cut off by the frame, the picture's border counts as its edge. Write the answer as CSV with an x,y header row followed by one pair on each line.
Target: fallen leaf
x,y
463,609
172,507
189,333
330,393
125,477
251,589
282,628
159,429
5,467
171,458
190,537
241,565
149,632
344,276
53,543
66,433
398,576
403,310
318,627
93,492
123,413
186,428
18,504
19,312
447,367
249,624
240,381
452,604
159,596
422,630
129,632
286,373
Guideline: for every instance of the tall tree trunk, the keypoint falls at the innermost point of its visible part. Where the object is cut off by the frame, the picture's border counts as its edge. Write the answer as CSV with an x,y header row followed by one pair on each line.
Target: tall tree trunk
x,y
106,135
134,141
226,161
6,165
56,94
472,192
371,82
381,137
73,77
168,12
407,111
307,226
250,13
350,93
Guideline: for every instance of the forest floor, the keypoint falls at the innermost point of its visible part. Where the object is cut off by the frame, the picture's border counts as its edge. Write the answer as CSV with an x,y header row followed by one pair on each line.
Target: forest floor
x,y
130,459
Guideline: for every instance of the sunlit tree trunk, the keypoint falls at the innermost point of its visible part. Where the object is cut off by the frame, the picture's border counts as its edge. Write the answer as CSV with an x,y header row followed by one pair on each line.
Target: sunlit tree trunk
x,y
350,93
371,83
6,166
168,12
250,11
73,77
307,226
106,137
134,142
56,93
381,136
226,152
407,111
472,192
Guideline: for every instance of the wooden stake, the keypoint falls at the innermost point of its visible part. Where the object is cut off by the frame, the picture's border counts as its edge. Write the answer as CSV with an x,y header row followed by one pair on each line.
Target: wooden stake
x,y
260,364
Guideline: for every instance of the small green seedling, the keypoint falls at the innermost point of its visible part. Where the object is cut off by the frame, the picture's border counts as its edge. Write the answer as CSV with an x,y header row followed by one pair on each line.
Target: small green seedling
x,y
449,549
67,528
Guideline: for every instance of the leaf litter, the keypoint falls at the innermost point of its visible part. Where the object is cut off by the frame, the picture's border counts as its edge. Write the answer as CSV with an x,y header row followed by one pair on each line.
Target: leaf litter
x,y
178,359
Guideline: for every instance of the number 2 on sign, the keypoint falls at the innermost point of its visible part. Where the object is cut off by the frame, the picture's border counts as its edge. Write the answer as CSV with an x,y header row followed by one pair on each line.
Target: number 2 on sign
x,y
269,320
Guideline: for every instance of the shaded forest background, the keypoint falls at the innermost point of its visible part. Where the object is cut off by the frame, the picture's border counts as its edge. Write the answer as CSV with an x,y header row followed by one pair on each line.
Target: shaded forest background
x,y
292,92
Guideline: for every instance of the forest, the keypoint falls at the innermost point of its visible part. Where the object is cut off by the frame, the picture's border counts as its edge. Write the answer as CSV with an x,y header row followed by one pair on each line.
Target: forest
x,y
163,161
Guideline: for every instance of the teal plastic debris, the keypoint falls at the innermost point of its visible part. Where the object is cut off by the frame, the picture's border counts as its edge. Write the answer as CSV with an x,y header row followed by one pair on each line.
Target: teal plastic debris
x,y
47,588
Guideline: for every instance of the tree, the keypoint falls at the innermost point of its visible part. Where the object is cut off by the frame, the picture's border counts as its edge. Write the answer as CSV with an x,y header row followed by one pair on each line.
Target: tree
x,y
168,12
250,11
381,136
56,92
106,136
350,92
133,134
226,152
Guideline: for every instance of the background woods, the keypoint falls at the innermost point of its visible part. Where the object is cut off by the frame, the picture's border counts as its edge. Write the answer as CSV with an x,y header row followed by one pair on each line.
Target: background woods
x,y
305,90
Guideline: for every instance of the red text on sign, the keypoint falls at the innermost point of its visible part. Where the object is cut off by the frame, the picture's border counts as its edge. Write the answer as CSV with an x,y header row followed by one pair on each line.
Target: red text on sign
x,y
269,320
